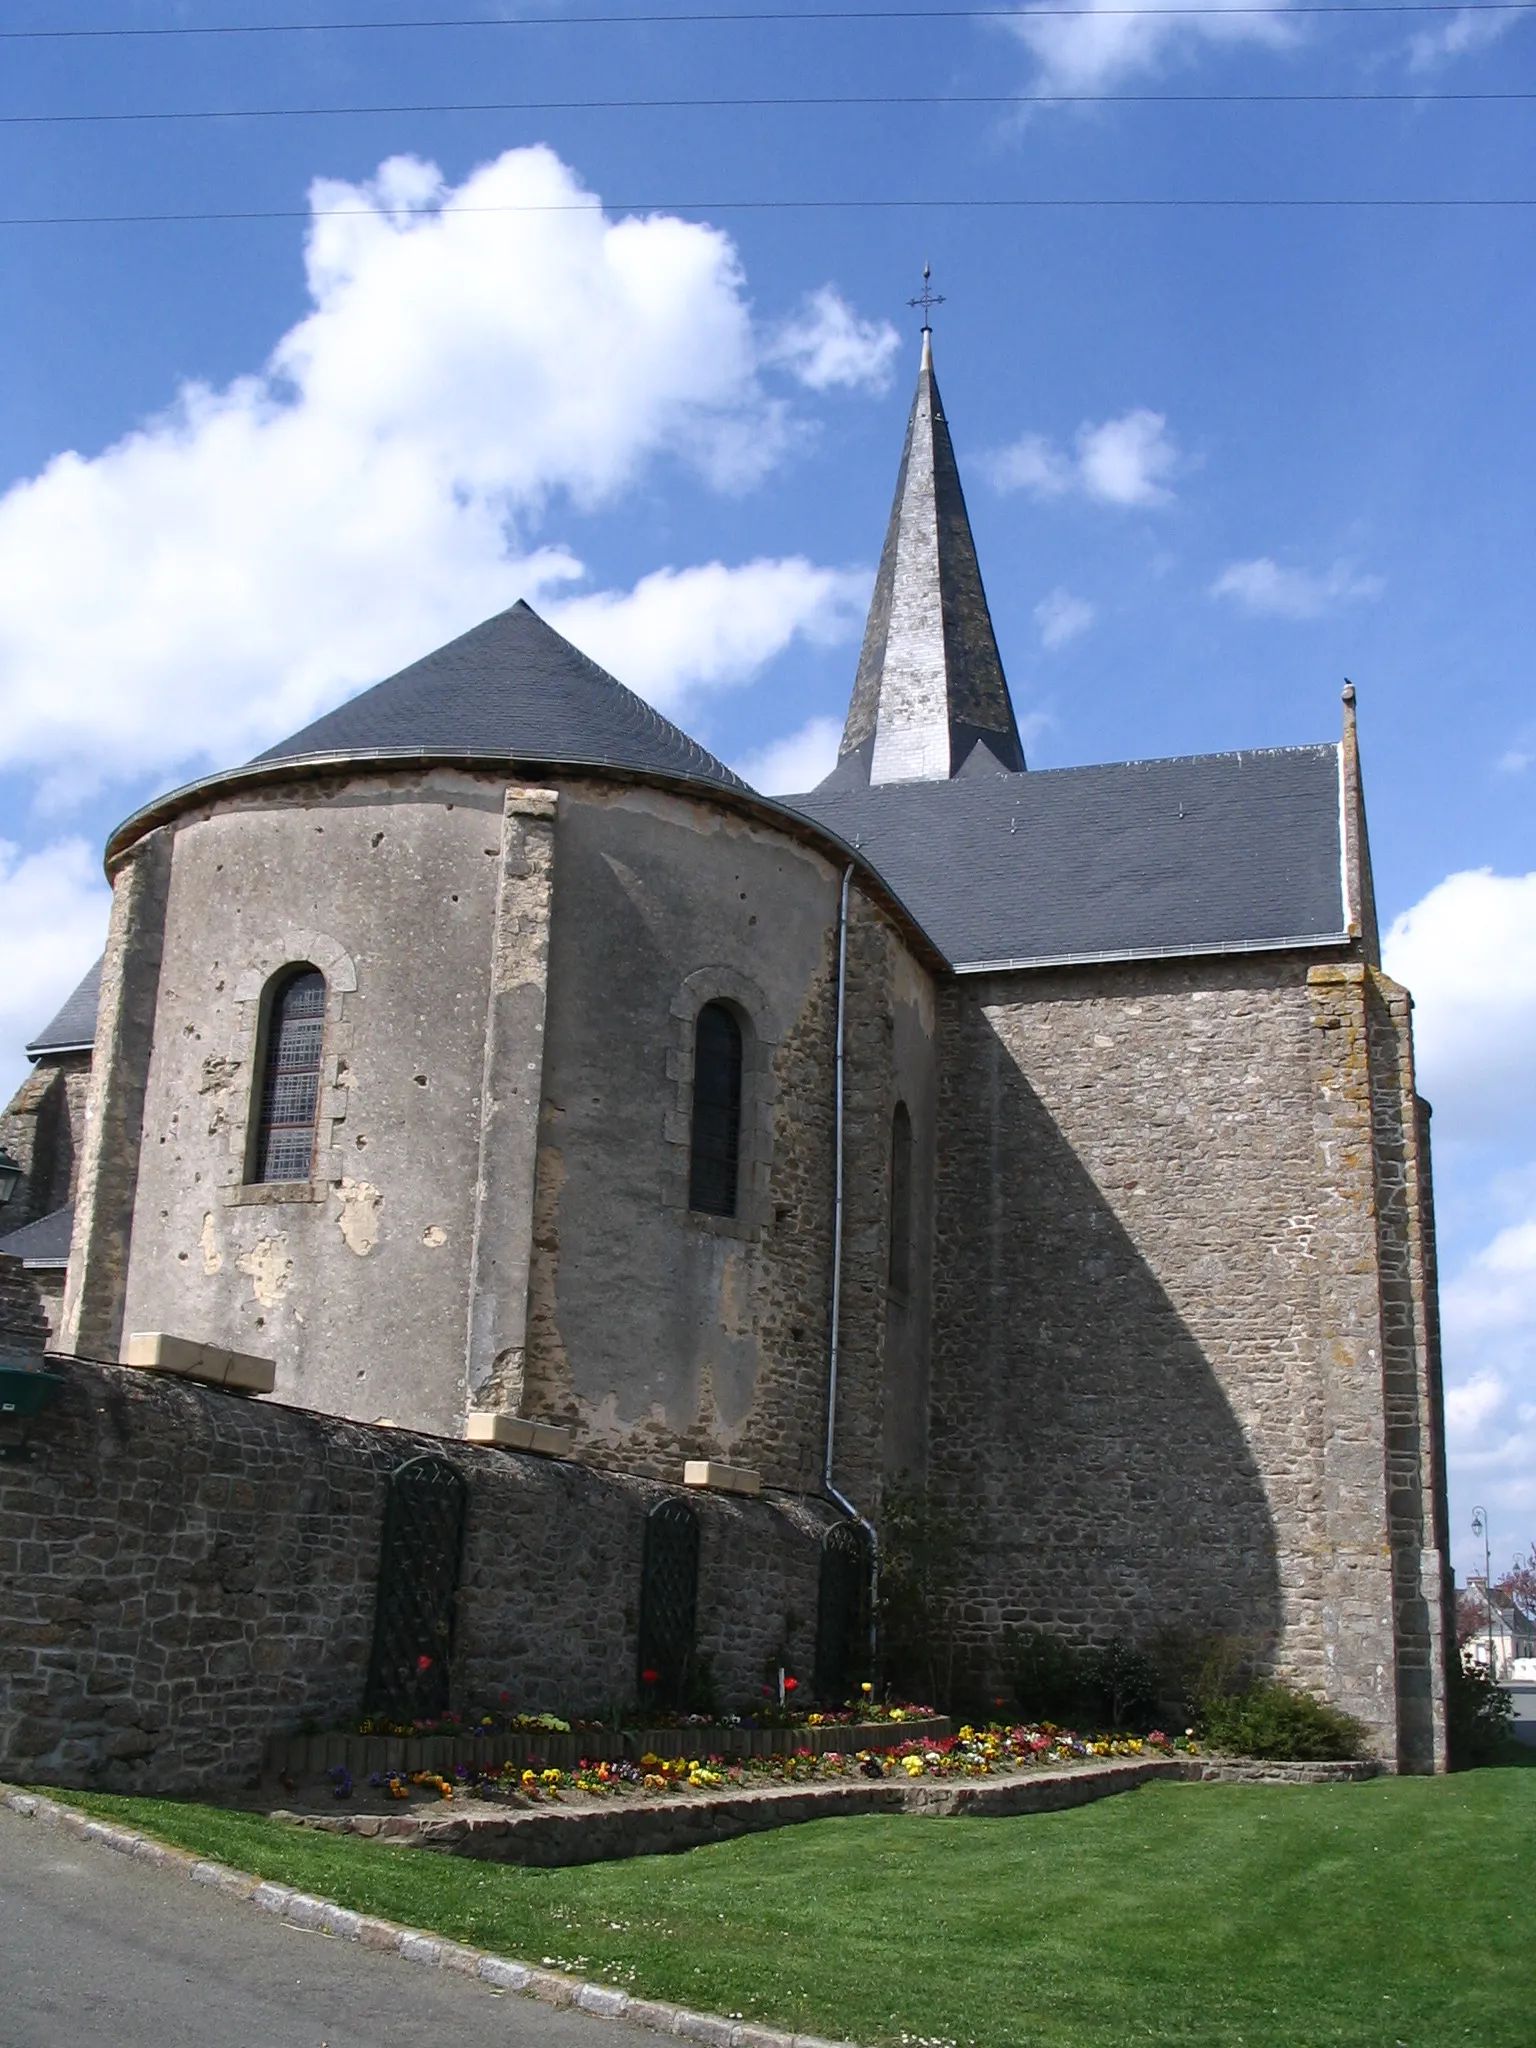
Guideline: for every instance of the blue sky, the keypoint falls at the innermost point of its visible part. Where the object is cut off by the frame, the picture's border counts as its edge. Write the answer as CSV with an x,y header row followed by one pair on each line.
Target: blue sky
x,y
1218,457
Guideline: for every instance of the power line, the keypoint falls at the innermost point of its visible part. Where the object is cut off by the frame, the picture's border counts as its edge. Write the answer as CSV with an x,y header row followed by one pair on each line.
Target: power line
x,y
768,101
711,206
698,18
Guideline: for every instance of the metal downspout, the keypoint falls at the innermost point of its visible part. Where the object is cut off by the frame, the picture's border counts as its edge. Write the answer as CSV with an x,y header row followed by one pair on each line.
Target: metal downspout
x,y
838,1068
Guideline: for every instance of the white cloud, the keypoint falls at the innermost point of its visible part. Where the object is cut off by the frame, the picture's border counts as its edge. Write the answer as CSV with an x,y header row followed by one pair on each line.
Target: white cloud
x,y
827,346
1265,587
1125,461
797,762
1106,45
1489,1313
232,568
679,631
1061,617
1031,464
1467,951
1470,29
1468,1407
53,923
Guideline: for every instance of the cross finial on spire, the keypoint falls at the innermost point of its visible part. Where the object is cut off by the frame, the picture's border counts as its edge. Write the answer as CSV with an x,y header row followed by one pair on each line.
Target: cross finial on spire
x,y
928,299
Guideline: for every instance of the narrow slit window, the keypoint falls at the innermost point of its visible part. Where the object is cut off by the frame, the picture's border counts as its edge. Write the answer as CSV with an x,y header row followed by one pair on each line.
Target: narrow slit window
x,y
290,1090
900,1267
714,1161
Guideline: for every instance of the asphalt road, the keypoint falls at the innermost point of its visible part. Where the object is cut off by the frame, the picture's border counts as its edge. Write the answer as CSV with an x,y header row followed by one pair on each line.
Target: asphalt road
x,y
97,1951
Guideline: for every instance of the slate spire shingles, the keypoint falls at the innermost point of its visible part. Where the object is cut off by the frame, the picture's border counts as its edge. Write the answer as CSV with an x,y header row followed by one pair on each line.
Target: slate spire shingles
x,y
930,683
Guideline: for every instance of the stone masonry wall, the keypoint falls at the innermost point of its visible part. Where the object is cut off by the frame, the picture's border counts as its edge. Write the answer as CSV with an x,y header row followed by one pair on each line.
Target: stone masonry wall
x,y
41,1128
184,1574
1158,1362
655,1332
1415,1491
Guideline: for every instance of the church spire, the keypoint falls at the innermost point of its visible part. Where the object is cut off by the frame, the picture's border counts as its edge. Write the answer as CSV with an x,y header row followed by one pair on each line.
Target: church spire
x,y
930,686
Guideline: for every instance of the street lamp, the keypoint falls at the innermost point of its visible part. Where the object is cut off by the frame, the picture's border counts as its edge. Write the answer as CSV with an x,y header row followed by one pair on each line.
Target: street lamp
x,y
1480,1528
10,1174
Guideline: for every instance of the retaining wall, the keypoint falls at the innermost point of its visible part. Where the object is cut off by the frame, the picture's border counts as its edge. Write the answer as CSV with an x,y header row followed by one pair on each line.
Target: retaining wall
x,y
185,1575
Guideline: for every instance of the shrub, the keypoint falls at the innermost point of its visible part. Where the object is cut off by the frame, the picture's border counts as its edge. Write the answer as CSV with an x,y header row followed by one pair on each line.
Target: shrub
x,y
1053,1681
1126,1682
1272,1720
920,1555
1047,1675
1478,1716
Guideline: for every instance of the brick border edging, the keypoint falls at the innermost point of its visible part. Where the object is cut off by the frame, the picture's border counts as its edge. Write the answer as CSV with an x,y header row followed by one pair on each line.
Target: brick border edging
x,y
412,1944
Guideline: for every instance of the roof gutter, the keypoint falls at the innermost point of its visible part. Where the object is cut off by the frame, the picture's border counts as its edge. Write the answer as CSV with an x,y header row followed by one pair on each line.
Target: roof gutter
x,y
731,796
1302,942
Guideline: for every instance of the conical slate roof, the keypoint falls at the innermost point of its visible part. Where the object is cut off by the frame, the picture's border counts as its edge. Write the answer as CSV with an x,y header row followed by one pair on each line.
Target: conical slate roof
x,y
930,683
514,689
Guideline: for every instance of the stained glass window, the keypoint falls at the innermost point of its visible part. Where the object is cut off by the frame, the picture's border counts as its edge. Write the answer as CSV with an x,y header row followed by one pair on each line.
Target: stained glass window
x,y
290,1092
714,1161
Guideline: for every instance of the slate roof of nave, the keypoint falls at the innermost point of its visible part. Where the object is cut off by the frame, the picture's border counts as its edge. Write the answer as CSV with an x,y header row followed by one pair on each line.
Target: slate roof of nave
x,y
515,689
1208,853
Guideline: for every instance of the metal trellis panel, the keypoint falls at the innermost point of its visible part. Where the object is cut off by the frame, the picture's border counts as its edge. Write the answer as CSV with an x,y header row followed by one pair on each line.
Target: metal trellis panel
x,y
842,1613
669,1603
425,1512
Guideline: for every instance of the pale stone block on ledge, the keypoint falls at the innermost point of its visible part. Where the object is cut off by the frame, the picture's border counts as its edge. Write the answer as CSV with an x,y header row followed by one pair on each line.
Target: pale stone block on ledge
x,y
518,1433
237,1371
721,1478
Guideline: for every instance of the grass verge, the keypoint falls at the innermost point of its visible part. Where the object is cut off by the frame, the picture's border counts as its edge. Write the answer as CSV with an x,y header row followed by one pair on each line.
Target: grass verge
x,y
1393,1914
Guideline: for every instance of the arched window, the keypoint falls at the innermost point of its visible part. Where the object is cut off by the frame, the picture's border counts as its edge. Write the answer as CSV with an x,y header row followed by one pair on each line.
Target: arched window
x,y
899,1271
714,1159
290,1081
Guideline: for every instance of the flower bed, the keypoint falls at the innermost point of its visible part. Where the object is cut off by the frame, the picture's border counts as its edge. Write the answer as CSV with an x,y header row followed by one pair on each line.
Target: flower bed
x,y
543,1742
972,1753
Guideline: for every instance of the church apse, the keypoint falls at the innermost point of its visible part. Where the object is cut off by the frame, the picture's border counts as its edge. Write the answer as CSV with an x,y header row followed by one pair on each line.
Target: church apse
x,y
662,1327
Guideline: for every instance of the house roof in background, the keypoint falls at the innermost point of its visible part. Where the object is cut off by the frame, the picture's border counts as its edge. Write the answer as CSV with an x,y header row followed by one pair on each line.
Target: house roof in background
x,y
43,1243
74,1028
1208,853
511,688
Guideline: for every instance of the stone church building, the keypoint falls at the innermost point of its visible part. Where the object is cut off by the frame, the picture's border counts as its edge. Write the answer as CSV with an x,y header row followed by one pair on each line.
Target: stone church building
x,y
488,1055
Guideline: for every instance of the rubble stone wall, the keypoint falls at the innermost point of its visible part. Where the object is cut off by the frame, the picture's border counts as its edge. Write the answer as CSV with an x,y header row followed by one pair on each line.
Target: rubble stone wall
x,y
185,1574
1163,1398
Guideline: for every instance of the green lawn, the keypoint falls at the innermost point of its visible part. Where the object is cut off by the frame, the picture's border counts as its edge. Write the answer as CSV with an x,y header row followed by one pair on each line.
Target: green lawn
x,y
1399,1911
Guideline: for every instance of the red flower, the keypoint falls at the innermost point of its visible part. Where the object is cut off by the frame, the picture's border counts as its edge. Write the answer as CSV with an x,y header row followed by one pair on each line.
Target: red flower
x,y
649,1677
790,1684
423,1663
505,1697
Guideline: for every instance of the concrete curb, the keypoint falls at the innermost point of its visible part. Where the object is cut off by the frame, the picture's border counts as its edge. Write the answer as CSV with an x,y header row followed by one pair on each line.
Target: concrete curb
x,y
412,1944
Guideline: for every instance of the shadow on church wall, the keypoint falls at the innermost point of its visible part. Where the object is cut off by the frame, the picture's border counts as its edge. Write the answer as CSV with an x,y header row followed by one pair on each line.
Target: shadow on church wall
x,y
1104,1484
